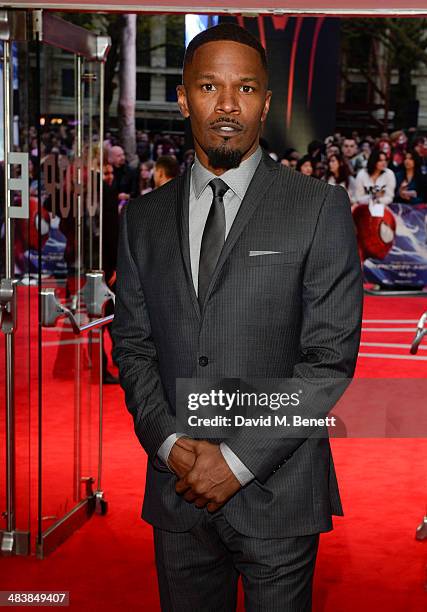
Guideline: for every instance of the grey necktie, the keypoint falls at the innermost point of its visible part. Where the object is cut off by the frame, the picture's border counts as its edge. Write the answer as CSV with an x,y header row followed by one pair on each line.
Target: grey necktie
x,y
213,237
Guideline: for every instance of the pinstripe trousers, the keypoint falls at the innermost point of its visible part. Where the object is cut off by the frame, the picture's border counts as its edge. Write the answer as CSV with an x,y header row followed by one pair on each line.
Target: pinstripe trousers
x,y
198,570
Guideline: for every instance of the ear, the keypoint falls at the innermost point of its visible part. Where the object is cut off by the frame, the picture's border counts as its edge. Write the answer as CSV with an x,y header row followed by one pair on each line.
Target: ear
x,y
266,105
182,101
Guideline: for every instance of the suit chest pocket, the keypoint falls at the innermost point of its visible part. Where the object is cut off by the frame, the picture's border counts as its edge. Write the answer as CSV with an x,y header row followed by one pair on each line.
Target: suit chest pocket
x,y
286,258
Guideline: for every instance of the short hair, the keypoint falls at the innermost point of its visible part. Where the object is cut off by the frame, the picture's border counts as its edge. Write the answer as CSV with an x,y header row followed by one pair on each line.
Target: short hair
x,y
225,31
304,159
169,165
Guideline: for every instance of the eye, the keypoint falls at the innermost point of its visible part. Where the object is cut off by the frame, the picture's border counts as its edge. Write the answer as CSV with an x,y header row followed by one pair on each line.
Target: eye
x,y
208,87
247,88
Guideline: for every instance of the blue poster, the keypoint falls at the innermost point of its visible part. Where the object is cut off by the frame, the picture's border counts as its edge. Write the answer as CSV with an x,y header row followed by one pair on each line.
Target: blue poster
x,y
405,263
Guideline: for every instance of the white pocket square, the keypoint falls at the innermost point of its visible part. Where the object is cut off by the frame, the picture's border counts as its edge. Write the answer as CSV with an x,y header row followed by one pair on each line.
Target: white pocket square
x,y
255,253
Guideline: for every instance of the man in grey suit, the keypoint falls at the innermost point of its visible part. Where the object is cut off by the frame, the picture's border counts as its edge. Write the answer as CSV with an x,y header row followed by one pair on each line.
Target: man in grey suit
x,y
239,268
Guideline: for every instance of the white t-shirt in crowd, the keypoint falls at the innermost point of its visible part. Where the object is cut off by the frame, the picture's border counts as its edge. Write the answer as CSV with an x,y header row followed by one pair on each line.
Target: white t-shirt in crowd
x,y
365,187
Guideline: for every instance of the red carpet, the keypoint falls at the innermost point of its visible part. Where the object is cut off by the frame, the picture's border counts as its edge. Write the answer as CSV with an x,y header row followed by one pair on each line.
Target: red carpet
x,y
370,562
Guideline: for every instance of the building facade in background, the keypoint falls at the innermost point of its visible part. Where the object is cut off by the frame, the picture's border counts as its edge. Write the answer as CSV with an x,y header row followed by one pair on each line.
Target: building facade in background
x,y
367,83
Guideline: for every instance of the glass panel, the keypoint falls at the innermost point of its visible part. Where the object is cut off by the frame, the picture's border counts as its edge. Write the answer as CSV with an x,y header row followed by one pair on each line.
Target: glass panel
x,y
70,380
18,350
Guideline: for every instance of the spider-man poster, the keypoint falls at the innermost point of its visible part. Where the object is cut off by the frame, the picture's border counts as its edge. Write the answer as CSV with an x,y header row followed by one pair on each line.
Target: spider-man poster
x,y
393,248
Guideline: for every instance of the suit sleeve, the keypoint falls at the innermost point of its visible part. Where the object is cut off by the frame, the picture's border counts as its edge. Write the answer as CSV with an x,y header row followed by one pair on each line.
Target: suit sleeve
x,y
135,353
330,333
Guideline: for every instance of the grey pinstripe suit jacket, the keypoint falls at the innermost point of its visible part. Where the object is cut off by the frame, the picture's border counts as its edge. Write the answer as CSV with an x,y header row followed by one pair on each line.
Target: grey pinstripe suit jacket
x,y
295,313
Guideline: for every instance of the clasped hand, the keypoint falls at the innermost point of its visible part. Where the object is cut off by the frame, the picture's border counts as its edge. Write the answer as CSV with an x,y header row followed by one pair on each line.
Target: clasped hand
x,y
204,477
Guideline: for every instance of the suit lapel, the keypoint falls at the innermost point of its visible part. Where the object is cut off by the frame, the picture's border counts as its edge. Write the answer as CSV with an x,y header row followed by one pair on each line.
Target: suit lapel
x,y
182,219
263,177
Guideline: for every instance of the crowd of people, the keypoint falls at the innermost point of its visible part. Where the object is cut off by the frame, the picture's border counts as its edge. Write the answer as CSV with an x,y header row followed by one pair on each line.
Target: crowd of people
x,y
391,167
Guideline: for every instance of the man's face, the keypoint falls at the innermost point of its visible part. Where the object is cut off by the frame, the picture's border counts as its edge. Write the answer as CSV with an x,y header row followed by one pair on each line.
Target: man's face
x,y
226,97
117,156
349,148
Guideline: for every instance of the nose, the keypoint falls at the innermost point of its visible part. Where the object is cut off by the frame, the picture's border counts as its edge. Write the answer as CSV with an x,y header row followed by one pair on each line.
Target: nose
x,y
227,101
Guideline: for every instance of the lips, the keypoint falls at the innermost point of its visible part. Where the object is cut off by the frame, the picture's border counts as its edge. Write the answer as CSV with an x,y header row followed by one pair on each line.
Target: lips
x,y
226,129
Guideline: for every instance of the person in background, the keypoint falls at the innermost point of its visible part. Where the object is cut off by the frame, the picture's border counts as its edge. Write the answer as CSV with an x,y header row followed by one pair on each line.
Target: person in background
x,y
338,173
361,160
305,165
319,169
314,150
110,237
146,177
187,160
385,146
110,223
33,172
143,146
410,182
396,161
332,149
399,143
165,169
124,175
349,152
377,183
355,136
293,159
163,146
420,147
290,158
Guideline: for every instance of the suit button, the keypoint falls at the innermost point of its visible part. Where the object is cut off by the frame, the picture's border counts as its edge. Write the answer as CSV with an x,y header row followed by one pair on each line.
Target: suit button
x,y
203,361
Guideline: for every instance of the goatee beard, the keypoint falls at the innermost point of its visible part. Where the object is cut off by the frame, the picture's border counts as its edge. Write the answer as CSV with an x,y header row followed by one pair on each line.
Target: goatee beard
x,y
223,157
